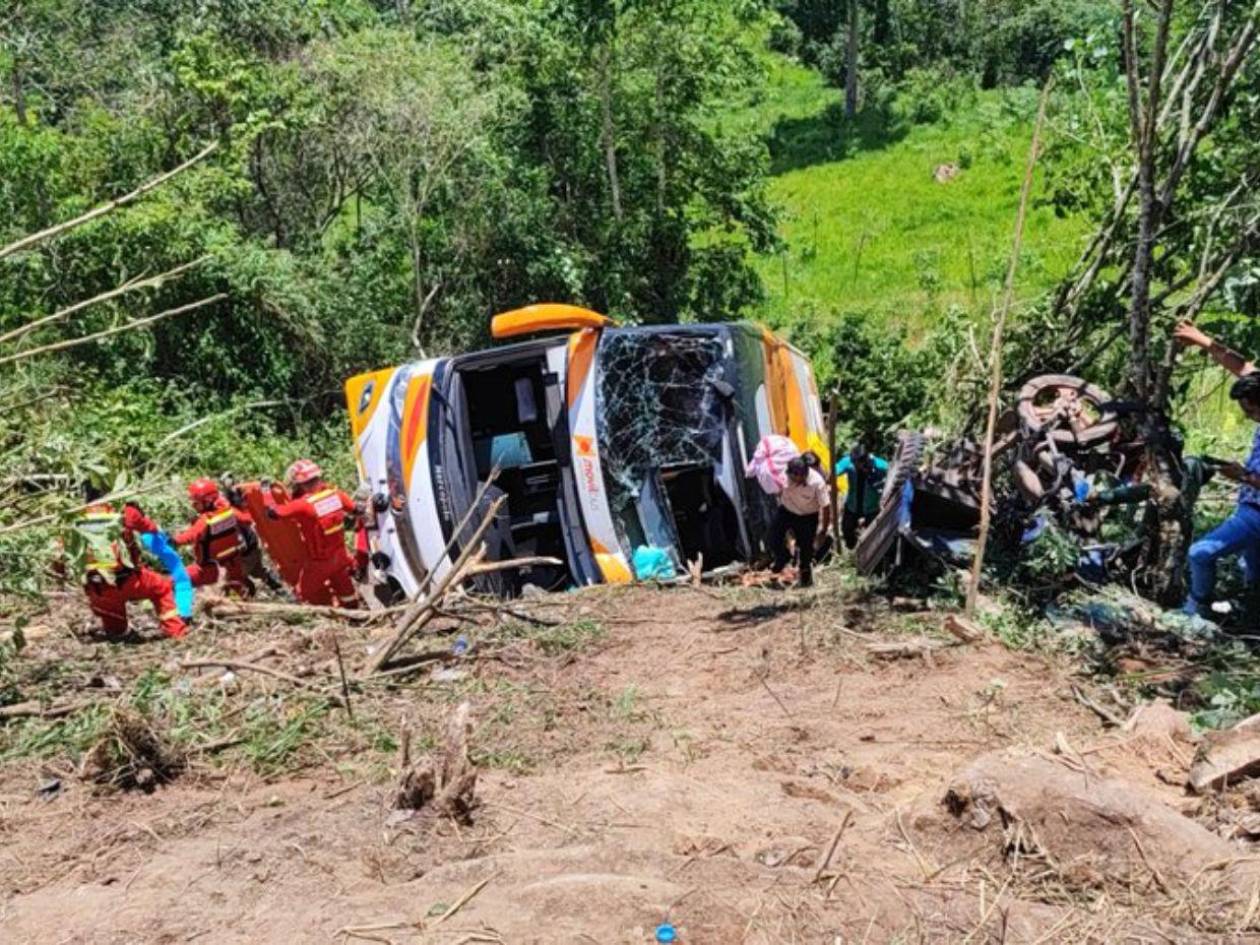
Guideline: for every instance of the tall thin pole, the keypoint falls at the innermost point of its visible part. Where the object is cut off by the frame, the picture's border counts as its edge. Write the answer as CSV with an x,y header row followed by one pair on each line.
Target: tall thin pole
x,y
995,355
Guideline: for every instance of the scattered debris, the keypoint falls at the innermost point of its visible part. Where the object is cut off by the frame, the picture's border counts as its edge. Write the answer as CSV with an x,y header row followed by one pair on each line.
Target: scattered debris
x,y
130,754
944,173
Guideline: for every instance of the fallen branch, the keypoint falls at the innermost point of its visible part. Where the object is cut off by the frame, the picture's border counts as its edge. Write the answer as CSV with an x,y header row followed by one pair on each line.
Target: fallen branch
x,y
117,329
241,666
130,286
421,612
510,564
239,608
505,610
906,650
463,900
773,695
831,849
35,709
1101,711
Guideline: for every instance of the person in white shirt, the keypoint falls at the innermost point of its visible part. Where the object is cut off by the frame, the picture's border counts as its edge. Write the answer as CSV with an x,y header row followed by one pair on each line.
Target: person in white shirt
x,y
805,511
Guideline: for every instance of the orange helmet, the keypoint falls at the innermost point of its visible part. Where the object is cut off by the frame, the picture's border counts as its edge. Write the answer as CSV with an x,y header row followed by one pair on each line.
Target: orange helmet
x,y
302,472
203,491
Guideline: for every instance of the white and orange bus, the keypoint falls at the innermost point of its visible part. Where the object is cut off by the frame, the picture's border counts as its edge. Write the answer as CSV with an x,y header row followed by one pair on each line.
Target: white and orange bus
x,y
606,439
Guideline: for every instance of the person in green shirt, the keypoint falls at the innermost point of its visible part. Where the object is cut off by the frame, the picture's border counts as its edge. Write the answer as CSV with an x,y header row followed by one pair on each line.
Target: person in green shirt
x,y
864,475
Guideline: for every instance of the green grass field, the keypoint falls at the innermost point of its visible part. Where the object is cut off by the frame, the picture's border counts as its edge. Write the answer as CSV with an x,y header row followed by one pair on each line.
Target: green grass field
x,y
867,228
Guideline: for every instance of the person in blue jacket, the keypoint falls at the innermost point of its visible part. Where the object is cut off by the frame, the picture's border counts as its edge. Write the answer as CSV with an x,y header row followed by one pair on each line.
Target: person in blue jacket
x,y
864,475
1240,533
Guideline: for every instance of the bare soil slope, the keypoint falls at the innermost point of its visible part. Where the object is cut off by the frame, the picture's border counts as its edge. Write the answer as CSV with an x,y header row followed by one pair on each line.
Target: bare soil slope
x,y
695,763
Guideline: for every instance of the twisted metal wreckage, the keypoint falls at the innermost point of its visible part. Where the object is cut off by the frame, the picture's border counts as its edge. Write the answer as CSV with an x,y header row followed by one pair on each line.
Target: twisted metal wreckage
x,y
1066,457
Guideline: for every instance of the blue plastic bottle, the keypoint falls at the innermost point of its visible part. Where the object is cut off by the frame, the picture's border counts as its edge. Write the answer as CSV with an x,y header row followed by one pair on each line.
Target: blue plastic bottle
x,y
666,933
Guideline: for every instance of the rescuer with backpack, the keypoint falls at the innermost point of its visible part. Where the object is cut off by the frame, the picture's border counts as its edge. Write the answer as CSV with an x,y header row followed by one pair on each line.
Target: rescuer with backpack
x,y
219,537
323,513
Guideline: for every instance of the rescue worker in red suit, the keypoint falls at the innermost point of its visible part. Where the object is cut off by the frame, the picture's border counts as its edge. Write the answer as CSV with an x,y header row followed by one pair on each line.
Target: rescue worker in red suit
x,y
217,537
116,572
323,514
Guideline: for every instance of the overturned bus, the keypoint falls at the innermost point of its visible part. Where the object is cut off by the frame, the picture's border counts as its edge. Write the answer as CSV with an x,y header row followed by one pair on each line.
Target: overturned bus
x,y
606,440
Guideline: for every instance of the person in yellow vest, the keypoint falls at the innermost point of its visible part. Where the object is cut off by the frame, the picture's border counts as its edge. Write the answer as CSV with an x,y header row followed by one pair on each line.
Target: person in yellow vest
x,y
115,572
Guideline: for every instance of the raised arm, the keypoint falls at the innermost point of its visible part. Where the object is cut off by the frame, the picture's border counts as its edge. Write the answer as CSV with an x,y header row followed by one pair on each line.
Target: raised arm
x,y
1188,336
192,534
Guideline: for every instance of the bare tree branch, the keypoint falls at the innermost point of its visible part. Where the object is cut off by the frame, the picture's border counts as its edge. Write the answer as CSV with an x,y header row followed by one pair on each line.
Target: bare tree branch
x,y
130,286
117,329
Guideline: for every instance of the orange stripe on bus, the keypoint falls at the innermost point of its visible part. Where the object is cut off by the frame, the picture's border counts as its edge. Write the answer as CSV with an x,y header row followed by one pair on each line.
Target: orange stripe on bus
x,y
415,415
581,356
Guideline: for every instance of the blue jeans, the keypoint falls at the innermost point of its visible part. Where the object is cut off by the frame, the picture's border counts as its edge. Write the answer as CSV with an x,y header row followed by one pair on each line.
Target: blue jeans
x,y
1240,533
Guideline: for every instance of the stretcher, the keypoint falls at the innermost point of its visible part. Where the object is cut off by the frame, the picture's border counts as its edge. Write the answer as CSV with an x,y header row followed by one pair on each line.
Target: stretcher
x,y
281,537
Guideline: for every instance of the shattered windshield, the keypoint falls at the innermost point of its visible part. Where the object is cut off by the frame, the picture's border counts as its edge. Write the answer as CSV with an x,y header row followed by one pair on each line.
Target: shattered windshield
x,y
658,405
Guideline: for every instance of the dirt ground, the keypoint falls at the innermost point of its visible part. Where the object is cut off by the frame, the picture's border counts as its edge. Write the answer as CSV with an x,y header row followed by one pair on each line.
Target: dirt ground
x,y
693,762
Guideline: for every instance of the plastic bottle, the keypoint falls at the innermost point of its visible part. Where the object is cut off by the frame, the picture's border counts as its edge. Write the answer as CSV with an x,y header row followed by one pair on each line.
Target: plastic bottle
x,y
666,933
461,645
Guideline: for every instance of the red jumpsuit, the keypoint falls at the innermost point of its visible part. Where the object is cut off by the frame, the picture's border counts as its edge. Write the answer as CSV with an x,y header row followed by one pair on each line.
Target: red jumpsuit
x,y
320,514
218,539
113,580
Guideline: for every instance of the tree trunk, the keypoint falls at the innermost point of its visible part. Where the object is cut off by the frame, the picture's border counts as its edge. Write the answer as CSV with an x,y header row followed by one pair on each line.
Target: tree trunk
x,y
19,91
608,131
851,63
881,24
661,174
419,298
1167,522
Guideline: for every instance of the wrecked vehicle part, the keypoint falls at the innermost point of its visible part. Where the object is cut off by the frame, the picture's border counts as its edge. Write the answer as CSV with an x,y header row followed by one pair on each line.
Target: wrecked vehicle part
x,y
1061,430
1070,410
605,440
664,410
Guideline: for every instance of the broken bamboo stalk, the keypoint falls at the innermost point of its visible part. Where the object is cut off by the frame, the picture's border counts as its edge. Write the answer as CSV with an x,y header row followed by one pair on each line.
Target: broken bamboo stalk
x,y
995,356
241,666
459,529
416,613
833,491
225,608
508,564
130,285
430,609
116,330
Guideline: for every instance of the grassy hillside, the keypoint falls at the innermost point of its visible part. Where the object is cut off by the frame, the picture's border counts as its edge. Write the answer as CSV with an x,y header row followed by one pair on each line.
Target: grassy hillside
x,y
867,228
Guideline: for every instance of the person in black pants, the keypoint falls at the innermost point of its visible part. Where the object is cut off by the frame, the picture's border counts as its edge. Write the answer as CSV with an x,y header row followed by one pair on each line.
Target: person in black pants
x,y
804,504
